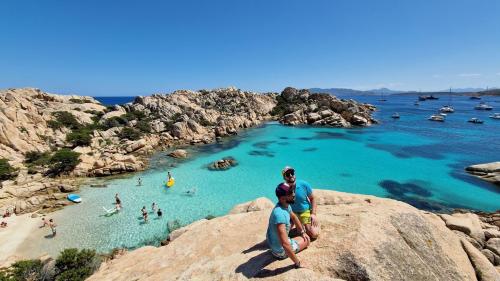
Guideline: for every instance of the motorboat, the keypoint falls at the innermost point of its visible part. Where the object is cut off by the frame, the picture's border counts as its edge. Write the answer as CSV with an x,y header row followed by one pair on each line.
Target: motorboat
x,y
476,121
395,116
422,98
495,116
416,103
431,97
483,106
475,98
437,117
447,109
443,114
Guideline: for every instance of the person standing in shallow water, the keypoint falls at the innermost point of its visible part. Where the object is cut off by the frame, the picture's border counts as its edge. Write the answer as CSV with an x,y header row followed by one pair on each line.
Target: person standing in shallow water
x,y
305,204
117,200
144,213
52,226
278,228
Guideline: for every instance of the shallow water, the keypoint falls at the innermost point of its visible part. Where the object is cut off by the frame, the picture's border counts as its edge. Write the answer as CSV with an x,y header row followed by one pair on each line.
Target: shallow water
x,y
411,159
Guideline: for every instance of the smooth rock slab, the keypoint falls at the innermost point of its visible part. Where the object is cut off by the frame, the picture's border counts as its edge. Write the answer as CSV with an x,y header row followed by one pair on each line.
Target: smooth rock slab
x,y
484,269
494,245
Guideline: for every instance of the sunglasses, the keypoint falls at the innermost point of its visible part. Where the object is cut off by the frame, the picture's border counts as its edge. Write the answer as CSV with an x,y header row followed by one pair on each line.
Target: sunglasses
x,y
289,173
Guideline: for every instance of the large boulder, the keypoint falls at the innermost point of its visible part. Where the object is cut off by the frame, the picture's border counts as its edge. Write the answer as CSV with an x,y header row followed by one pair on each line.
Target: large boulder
x,y
362,238
467,223
178,153
488,171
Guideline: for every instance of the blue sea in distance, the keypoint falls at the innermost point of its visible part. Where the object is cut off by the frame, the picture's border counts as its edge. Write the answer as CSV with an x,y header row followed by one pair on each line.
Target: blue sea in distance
x,y
114,100
411,159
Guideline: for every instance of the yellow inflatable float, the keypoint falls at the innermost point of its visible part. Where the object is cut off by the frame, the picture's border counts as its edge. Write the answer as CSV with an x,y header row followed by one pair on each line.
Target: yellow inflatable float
x,y
170,182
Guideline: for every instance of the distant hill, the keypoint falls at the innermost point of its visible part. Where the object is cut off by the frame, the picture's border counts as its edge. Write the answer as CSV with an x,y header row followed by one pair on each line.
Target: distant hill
x,y
339,91
351,92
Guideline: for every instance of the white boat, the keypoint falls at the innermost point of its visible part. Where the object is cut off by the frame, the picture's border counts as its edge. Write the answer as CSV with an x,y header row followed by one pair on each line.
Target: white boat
x,y
395,116
483,106
443,114
447,109
437,117
495,116
476,121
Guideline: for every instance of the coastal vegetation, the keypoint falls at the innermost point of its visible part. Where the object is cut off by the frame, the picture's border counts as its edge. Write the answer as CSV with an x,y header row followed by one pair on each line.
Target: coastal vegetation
x,y
6,170
71,264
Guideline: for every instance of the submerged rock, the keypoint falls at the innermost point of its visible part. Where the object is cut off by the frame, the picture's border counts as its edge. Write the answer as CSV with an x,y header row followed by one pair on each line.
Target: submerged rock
x,y
178,153
223,164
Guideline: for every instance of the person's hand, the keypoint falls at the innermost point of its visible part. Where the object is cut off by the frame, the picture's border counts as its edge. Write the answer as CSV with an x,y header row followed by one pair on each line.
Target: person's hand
x,y
306,237
301,264
314,221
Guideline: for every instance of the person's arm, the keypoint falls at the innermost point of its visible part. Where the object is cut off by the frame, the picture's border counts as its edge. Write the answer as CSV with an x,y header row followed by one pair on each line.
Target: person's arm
x,y
285,242
314,207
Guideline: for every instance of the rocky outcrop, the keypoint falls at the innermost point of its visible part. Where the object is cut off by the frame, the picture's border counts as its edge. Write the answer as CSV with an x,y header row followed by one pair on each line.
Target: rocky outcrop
x,y
223,164
114,140
24,117
178,153
29,193
362,238
301,107
488,172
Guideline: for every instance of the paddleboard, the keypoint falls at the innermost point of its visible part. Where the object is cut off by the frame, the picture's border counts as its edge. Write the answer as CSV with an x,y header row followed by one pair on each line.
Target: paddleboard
x,y
74,198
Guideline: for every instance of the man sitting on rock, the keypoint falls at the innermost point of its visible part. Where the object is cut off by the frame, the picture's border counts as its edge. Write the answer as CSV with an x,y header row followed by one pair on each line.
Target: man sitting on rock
x,y
305,204
279,225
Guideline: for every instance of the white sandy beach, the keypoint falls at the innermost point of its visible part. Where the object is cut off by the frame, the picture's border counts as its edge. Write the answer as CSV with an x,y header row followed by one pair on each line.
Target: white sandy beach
x,y
13,236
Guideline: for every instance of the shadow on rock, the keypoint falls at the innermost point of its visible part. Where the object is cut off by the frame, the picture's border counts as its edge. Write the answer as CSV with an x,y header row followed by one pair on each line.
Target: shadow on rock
x,y
255,265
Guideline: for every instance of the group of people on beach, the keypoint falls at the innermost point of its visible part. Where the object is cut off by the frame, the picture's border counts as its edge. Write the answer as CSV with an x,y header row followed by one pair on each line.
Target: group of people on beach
x,y
3,224
50,223
293,223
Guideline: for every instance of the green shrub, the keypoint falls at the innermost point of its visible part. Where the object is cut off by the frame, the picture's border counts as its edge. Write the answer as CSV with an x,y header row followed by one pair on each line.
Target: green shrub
x,y
77,101
36,158
54,124
63,160
116,121
129,133
175,117
67,119
80,137
7,172
75,265
143,126
134,115
27,270
206,123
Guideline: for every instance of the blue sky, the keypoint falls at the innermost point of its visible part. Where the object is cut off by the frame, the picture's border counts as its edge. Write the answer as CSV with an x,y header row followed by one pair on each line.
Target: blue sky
x,y
141,47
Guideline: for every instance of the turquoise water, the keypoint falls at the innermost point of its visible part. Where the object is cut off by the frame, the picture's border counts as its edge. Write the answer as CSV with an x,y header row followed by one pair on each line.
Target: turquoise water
x,y
411,159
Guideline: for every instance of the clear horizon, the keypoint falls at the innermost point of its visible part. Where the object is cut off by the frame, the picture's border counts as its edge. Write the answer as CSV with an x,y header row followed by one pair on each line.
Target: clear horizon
x,y
126,48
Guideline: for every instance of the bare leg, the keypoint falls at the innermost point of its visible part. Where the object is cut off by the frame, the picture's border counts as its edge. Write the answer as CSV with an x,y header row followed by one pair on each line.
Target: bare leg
x,y
302,242
312,231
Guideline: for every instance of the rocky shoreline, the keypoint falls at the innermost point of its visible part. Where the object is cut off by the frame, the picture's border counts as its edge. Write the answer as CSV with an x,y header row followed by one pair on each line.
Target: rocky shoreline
x,y
363,238
43,134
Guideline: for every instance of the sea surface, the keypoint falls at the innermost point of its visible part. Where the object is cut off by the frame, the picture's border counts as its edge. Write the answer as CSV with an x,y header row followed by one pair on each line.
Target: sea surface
x,y
114,100
411,159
